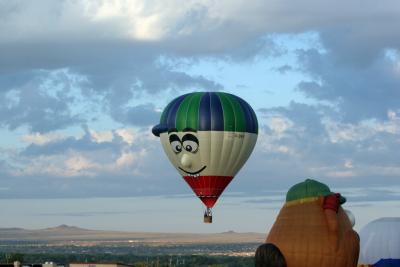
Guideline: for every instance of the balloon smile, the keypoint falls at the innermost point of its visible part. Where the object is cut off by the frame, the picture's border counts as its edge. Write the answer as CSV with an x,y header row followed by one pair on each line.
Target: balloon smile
x,y
193,174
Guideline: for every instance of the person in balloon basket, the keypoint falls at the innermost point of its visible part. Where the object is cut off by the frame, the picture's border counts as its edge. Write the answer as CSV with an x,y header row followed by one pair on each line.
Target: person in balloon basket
x,y
312,229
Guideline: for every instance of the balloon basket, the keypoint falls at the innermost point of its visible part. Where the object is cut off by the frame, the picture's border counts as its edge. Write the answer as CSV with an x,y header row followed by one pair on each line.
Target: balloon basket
x,y
208,216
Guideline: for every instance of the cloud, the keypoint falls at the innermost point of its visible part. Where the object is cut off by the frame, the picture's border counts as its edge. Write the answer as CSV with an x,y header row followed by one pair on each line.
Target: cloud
x,y
115,48
71,63
126,159
104,76
339,131
320,146
41,103
88,142
284,69
359,92
127,135
371,194
101,136
195,27
92,154
41,139
84,165
141,115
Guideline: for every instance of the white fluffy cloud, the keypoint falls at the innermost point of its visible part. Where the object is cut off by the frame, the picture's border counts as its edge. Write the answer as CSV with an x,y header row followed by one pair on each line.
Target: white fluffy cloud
x,y
92,155
41,139
157,20
128,135
304,140
70,63
101,136
342,132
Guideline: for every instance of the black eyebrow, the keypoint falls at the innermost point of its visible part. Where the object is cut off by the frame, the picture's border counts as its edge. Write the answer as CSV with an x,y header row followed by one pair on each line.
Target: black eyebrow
x,y
172,130
174,137
190,137
189,130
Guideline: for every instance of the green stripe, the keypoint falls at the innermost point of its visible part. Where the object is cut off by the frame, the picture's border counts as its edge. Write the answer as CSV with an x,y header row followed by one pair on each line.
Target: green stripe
x,y
240,119
192,119
229,114
183,119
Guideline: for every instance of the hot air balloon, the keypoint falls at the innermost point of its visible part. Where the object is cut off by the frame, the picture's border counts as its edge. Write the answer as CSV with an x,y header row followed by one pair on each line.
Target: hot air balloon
x,y
312,229
208,136
380,242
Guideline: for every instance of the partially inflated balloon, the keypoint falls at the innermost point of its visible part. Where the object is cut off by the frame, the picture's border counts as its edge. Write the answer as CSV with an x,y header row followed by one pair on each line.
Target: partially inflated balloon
x,y
312,229
380,242
208,136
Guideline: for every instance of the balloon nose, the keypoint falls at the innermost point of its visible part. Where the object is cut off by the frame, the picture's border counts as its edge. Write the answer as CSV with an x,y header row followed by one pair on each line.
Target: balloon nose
x,y
352,219
185,161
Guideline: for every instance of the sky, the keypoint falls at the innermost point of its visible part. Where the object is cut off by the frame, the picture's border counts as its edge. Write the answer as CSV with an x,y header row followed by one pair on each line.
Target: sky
x,y
83,82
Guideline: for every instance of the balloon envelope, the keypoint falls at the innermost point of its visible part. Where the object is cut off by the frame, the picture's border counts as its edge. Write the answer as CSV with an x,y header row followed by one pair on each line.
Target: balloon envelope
x,y
313,230
380,239
208,136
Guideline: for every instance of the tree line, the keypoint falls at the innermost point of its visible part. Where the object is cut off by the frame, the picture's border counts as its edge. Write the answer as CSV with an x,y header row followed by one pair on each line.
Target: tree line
x,y
131,259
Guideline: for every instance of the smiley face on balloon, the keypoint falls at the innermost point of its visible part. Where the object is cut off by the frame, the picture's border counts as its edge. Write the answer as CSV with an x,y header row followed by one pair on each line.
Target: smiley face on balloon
x,y
208,136
185,147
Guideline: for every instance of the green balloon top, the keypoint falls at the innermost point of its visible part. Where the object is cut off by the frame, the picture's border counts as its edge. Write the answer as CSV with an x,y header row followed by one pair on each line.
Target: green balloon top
x,y
309,188
208,111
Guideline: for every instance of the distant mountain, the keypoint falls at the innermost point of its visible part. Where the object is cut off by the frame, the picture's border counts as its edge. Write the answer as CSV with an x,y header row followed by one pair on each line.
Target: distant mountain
x,y
229,232
64,227
73,233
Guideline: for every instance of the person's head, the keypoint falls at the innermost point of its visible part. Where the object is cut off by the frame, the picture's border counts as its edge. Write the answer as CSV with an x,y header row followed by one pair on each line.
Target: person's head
x,y
268,255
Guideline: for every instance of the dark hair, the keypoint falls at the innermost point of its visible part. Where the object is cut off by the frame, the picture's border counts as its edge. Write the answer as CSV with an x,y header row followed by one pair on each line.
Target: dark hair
x,y
269,255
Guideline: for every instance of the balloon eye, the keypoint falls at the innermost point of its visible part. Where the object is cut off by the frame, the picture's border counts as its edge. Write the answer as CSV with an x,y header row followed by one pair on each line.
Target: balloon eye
x,y
190,146
176,146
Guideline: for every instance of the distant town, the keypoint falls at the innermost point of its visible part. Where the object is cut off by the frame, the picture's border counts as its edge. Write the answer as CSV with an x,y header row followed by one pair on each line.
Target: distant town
x,y
69,246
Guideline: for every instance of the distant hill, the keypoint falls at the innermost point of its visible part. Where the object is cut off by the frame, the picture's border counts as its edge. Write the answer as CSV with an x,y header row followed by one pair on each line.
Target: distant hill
x,y
73,233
